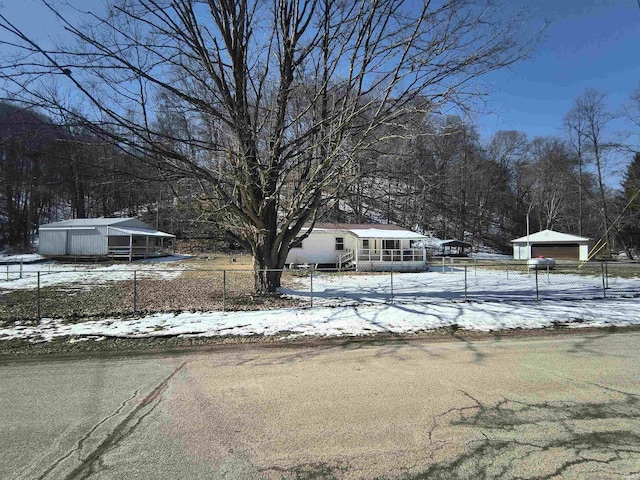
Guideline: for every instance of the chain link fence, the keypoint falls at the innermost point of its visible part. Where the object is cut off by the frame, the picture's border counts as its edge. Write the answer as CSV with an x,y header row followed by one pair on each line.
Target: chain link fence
x,y
89,291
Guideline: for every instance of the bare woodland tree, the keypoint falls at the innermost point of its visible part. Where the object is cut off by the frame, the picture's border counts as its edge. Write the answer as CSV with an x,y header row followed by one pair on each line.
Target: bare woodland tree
x,y
574,123
509,150
588,119
270,101
632,110
553,183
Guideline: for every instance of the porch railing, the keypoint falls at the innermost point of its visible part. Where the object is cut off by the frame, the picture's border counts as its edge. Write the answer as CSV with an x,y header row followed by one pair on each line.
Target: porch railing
x,y
142,250
385,255
344,258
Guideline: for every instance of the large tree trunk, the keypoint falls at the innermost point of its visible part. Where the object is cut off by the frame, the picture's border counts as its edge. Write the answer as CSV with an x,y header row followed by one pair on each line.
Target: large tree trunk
x,y
266,280
267,267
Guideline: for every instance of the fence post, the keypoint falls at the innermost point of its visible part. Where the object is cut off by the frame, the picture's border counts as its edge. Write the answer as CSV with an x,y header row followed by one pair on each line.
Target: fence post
x,y
606,274
537,288
38,297
224,290
135,291
465,283
604,285
548,279
391,285
311,288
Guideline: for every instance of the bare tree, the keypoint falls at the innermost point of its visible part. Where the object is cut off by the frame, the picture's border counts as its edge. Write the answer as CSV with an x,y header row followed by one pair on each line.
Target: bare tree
x,y
574,124
508,148
272,100
553,182
588,120
632,110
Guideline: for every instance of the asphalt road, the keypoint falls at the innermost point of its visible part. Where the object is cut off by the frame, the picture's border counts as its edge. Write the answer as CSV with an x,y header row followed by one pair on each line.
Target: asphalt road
x,y
562,407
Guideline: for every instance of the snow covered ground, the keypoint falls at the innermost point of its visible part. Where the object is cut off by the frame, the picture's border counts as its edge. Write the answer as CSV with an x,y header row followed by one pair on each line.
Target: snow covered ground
x,y
490,256
17,259
362,304
14,276
347,321
447,285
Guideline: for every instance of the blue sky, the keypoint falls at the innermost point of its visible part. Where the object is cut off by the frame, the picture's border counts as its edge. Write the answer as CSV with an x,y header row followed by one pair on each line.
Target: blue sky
x,y
588,44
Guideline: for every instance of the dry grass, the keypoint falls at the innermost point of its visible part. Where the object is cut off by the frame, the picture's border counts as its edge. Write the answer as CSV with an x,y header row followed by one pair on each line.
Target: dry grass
x,y
66,301
205,293
206,284
221,262
205,267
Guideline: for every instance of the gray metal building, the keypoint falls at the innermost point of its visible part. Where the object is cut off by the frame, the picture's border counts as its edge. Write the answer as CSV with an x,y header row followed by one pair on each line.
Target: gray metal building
x,y
103,237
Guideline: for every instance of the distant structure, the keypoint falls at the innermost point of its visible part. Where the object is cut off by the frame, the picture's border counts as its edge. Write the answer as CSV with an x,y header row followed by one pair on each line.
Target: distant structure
x,y
551,244
363,247
123,238
451,248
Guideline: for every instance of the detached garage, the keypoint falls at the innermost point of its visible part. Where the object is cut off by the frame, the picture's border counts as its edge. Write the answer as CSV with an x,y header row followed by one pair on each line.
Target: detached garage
x,y
103,237
551,244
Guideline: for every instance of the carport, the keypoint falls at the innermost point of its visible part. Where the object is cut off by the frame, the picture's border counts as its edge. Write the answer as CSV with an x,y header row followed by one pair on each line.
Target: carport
x,y
452,248
551,244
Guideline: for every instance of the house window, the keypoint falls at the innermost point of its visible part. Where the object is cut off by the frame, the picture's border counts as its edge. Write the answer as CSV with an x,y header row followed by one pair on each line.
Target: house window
x,y
391,244
365,244
296,243
339,243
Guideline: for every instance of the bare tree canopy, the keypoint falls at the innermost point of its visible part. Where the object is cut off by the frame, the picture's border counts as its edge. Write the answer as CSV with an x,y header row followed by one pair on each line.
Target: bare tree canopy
x,y
587,121
265,103
632,112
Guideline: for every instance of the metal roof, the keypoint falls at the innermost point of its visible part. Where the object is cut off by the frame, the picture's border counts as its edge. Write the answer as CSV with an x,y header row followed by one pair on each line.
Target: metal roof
x,y
454,243
398,234
87,222
145,232
137,228
550,236
359,226
369,230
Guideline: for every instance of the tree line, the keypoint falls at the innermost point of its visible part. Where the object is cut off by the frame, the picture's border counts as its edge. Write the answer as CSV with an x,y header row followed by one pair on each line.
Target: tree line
x,y
54,171
442,178
259,118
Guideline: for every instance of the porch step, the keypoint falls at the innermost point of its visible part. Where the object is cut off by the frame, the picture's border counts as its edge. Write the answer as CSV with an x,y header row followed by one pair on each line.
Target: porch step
x,y
349,265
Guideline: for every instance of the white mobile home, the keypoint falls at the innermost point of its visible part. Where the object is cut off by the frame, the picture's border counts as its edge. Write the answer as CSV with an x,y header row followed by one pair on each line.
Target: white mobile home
x,y
103,237
365,247
551,244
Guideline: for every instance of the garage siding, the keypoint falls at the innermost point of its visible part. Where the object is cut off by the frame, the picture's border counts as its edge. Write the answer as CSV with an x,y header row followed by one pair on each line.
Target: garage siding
x,y
86,242
52,242
557,251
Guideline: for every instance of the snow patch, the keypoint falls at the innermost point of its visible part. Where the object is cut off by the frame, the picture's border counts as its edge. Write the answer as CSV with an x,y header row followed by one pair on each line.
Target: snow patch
x,y
346,321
